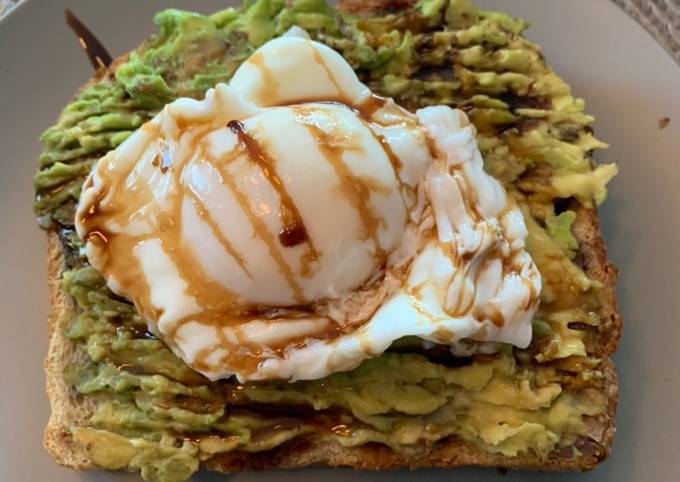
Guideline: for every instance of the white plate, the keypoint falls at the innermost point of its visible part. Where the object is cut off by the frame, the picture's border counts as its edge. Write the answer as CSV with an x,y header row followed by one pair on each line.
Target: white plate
x,y
628,81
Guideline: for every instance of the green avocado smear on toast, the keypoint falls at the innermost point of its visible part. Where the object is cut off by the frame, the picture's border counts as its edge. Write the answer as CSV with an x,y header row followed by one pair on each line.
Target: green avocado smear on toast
x,y
152,413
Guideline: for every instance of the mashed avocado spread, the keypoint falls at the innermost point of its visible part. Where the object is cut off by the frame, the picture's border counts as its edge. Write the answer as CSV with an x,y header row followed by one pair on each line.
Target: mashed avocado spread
x,y
154,414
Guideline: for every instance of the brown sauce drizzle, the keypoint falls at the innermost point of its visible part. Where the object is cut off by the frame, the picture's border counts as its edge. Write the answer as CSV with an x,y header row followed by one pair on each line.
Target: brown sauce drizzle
x,y
294,231
488,311
458,309
370,105
96,52
423,312
166,163
262,232
532,292
217,232
394,159
270,86
95,233
214,299
468,198
391,156
356,192
495,315
316,55
292,235
313,100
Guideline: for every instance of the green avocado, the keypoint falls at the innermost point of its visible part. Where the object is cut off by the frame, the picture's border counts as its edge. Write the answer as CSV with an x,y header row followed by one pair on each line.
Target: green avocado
x,y
157,461
559,228
157,416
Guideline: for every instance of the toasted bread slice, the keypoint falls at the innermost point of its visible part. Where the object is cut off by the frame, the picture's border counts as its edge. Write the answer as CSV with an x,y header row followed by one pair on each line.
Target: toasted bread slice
x,y
70,408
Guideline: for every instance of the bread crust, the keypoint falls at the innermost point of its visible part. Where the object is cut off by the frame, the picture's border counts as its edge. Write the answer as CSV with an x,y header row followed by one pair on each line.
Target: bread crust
x,y
69,408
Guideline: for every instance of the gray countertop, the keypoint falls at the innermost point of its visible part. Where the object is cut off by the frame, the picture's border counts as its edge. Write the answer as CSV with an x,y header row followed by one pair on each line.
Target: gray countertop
x,y
661,18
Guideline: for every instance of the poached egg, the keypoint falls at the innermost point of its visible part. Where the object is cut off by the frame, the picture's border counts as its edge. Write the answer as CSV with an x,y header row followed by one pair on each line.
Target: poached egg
x,y
293,224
